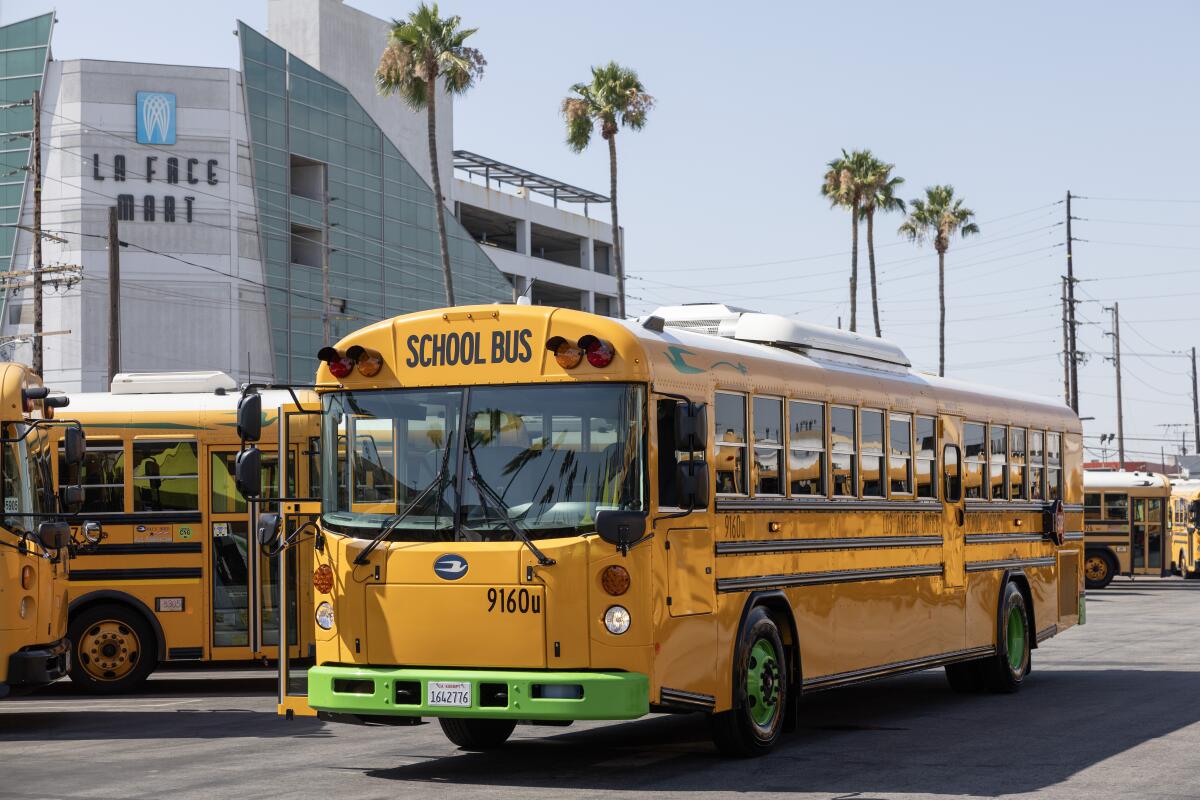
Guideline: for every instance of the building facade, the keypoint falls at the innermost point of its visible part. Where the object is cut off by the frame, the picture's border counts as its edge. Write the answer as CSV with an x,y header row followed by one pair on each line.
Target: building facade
x,y
258,208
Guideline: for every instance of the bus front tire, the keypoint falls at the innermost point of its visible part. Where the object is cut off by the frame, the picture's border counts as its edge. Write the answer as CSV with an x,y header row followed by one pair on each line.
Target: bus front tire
x,y
112,649
1005,671
760,691
1098,569
477,734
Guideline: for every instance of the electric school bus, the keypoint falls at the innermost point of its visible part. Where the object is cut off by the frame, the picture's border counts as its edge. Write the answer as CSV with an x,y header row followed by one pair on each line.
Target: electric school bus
x,y
541,515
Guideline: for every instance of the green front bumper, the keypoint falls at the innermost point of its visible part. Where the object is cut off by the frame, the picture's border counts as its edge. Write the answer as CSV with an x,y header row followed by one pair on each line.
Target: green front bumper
x,y
495,694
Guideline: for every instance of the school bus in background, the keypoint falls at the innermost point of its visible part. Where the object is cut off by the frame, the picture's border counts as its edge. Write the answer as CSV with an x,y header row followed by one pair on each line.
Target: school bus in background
x,y
1125,524
35,545
545,547
1185,534
175,579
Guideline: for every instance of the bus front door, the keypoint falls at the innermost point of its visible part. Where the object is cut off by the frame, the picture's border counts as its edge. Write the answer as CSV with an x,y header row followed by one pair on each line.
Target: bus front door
x,y
1146,547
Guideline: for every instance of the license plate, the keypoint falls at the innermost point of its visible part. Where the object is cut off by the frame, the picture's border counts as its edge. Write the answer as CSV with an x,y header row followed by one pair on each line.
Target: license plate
x,y
449,693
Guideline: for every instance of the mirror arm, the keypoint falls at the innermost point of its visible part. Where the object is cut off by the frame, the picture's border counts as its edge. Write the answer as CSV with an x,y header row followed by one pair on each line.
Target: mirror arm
x,y
291,388
691,509
66,423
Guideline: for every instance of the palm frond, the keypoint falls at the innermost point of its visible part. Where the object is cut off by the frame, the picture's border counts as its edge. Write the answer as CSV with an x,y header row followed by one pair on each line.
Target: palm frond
x,y
424,47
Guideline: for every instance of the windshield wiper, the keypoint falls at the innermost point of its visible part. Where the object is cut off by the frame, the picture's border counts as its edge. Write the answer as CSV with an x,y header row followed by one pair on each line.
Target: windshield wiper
x,y
389,525
488,496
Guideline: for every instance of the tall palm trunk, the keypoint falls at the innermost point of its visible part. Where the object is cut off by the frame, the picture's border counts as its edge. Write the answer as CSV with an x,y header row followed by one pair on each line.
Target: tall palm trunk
x,y
854,267
436,179
941,312
618,261
871,259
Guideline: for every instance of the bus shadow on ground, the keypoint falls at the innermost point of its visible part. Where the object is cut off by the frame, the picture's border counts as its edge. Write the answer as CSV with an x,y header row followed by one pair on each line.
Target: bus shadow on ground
x,y
157,724
905,735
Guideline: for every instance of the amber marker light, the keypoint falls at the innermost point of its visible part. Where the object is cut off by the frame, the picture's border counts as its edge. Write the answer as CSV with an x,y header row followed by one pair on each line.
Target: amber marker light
x,y
566,354
339,365
615,580
27,577
368,362
599,352
323,578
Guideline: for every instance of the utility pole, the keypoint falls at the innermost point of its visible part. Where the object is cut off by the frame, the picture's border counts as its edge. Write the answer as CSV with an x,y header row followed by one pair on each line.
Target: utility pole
x,y
1066,351
37,233
1071,325
1115,308
326,339
114,296
1195,403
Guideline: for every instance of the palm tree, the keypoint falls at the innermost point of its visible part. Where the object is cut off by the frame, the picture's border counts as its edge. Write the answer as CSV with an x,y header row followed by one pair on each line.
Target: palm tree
x,y
420,50
939,215
615,98
878,194
843,186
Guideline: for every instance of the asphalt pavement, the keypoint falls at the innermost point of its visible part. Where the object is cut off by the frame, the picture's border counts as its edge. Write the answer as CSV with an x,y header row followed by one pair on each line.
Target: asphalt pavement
x,y
1112,710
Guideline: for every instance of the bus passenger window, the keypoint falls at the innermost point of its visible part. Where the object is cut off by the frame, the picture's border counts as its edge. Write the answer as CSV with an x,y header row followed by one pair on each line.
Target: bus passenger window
x,y
1091,506
1016,465
1037,469
102,475
926,461
165,476
1054,487
974,458
731,443
842,440
900,447
806,454
1116,507
768,446
998,467
953,480
871,456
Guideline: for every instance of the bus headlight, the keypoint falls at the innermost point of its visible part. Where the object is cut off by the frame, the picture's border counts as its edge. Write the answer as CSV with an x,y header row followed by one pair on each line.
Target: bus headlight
x,y
25,607
325,616
27,577
617,619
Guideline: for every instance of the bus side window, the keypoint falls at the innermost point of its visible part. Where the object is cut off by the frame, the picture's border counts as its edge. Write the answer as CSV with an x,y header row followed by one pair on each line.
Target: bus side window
x,y
1091,506
952,477
668,458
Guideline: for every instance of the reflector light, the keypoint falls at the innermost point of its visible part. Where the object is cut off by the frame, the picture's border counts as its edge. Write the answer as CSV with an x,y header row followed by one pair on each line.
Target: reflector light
x,y
323,578
567,355
369,362
339,365
27,577
615,580
599,352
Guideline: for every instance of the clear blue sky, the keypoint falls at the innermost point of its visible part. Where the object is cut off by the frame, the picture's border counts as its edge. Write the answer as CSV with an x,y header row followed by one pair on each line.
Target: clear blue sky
x,y
1012,103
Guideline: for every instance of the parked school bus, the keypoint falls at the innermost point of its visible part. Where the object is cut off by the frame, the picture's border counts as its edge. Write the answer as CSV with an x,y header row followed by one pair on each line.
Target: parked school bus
x,y
35,544
176,578
1125,519
1185,534
537,514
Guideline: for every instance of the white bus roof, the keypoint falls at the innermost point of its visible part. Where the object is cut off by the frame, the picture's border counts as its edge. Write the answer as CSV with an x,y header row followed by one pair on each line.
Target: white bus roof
x,y
1095,479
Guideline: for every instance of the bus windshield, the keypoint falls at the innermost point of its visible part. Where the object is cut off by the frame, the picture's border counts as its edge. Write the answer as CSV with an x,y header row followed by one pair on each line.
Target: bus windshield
x,y
25,474
547,458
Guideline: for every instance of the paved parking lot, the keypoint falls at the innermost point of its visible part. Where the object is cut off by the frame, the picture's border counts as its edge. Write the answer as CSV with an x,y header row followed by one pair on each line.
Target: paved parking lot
x,y
1112,710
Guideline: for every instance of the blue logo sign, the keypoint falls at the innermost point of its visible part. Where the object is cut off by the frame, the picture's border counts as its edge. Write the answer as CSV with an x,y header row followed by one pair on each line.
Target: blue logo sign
x,y
156,118
450,567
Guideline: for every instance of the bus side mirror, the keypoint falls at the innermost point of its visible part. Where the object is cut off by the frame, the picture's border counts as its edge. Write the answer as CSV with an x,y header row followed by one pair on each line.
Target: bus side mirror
x,y
54,535
267,530
691,426
74,446
247,472
71,497
249,417
691,484
622,529
1195,513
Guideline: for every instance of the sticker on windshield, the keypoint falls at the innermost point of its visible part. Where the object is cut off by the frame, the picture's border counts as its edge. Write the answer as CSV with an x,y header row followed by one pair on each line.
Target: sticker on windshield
x,y
11,505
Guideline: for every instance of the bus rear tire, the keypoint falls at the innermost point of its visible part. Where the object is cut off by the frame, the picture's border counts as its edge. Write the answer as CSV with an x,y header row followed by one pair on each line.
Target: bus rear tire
x,y
1005,671
1099,568
477,734
112,649
760,691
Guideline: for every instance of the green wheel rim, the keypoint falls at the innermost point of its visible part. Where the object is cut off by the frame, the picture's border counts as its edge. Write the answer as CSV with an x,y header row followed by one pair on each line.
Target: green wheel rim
x,y
1016,638
763,683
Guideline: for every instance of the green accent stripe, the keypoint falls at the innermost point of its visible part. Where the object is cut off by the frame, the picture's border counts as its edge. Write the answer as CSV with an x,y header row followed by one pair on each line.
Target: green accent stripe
x,y
606,695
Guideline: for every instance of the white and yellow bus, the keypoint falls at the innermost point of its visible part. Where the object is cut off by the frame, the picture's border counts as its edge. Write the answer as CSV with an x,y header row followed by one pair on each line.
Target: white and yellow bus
x,y
1126,524
547,515
176,578
35,544
1185,535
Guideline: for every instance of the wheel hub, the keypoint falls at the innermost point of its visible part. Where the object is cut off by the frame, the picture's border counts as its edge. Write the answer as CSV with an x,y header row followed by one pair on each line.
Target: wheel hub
x,y
763,683
109,650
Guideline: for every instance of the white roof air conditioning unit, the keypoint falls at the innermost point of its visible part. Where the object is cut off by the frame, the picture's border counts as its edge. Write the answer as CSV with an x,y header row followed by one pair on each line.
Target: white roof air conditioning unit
x,y
172,382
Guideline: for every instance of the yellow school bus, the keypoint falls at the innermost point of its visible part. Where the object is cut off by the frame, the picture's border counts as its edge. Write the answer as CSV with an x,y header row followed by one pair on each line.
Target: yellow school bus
x,y
176,578
1125,521
538,514
1185,537
35,545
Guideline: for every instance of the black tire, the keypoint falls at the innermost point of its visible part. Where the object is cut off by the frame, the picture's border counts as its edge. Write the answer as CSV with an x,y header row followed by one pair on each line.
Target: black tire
x,y
743,732
113,649
1099,568
1004,672
477,734
965,677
